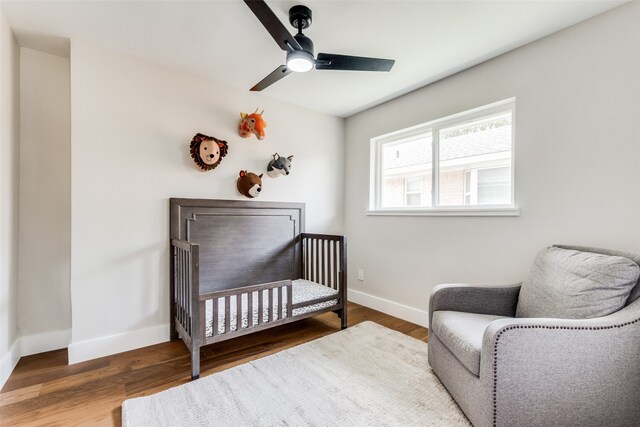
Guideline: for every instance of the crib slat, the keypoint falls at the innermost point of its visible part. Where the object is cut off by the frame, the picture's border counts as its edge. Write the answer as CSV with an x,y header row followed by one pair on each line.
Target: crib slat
x,y
227,314
329,282
303,272
179,286
174,308
184,287
202,311
321,276
318,261
309,259
238,312
317,264
280,303
339,266
306,258
342,268
289,300
215,316
311,243
327,263
335,265
336,245
188,294
182,322
185,293
185,284
260,307
310,277
182,313
188,299
270,305
250,310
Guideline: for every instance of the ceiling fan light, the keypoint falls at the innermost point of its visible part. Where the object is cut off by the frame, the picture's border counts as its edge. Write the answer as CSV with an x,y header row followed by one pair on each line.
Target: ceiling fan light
x,y
299,61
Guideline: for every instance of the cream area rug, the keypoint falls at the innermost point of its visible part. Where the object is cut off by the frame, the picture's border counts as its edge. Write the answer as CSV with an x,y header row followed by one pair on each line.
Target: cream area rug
x,y
366,375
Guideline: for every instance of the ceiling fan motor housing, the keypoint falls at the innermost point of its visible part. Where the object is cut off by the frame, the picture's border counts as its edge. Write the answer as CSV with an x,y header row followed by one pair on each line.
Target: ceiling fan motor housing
x,y
305,42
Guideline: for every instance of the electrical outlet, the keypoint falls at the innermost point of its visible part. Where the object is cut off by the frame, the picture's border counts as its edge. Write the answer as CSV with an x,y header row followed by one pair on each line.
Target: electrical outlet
x,y
360,274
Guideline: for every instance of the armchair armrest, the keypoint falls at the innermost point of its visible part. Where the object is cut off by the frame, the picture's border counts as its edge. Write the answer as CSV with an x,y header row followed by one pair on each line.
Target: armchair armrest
x,y
564,371
495,300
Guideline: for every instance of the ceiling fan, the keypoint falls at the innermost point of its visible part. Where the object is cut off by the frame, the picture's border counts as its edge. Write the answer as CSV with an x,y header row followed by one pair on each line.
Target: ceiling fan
x,y
299,48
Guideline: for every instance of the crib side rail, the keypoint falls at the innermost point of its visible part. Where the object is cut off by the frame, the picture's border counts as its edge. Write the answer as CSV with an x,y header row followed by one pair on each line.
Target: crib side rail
x,y
324,260
185,292
271,305
245,289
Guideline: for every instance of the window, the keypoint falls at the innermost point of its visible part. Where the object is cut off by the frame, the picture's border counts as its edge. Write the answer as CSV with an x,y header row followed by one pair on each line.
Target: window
x,y
462,163
406,164
413,191
488,186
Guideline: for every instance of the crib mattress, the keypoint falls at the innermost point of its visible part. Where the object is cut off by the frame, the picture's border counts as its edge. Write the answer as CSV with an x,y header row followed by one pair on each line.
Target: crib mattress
x,y
302,290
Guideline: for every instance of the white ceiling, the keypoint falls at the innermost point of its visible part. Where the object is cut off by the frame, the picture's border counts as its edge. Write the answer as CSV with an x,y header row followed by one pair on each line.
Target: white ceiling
x,y
224,40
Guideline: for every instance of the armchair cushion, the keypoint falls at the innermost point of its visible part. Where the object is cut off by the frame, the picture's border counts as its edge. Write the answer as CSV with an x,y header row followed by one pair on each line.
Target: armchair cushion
x,y
571,284
462,334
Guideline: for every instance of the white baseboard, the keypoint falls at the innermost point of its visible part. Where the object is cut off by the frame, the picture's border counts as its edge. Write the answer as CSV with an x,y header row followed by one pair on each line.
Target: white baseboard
x,y
112,344
31,344
46,341
9,362
401,311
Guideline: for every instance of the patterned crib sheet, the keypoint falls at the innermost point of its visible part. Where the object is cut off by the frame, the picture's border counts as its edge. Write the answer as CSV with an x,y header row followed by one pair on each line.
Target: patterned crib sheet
x,y
302,290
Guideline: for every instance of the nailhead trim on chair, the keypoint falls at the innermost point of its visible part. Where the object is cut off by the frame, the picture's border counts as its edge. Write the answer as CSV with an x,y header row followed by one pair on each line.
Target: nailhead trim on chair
x,y
495,350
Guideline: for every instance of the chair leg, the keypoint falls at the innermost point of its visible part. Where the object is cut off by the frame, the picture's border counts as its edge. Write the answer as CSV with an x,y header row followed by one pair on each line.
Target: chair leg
x,y
195,363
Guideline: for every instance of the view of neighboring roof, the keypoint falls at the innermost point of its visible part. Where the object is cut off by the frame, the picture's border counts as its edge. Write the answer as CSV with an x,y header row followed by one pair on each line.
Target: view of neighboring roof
x,y
478,138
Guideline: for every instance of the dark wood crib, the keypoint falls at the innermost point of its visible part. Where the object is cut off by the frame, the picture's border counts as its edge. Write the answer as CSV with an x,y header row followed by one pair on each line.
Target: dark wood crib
x,y
240,267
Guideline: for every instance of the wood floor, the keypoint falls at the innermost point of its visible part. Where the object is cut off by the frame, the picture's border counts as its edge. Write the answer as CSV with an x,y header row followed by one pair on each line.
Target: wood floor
x,y
44,390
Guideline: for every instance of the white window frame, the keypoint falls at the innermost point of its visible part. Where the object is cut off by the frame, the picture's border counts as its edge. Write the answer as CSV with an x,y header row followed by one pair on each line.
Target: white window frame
x,y
433,128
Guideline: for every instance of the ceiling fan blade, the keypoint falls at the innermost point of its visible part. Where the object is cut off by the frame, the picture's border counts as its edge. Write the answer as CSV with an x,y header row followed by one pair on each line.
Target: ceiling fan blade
x,y
275,75
330,61
271,22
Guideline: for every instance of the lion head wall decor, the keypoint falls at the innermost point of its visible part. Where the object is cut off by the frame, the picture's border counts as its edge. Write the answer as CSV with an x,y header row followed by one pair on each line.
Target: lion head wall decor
x,y
208,151
252,124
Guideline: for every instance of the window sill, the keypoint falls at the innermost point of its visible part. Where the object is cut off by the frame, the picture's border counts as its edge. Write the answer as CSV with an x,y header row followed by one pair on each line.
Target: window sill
x,y
494,211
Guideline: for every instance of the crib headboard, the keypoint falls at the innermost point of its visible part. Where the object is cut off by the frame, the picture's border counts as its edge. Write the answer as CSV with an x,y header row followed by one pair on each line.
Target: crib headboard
x,y
241,243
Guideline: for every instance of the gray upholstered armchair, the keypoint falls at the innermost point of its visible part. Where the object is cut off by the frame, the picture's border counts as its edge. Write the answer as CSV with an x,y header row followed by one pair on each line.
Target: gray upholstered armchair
x,y
505,370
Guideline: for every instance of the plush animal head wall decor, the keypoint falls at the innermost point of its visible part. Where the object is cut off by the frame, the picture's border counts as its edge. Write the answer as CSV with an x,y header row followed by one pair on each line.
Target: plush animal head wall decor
x,y
249,184
279,166
208,151
252,124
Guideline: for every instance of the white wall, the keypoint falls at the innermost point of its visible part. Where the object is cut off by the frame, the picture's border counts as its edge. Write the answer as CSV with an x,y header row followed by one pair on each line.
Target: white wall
x,y
132,122
577,166
9,203
44,302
